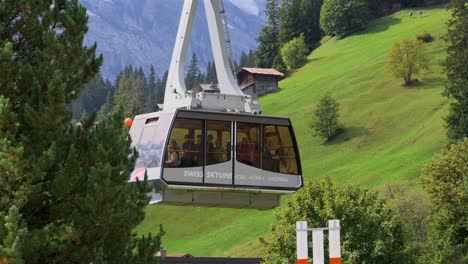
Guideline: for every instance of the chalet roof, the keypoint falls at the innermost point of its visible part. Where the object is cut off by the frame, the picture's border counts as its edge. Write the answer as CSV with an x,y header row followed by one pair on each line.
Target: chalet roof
x,y
262,71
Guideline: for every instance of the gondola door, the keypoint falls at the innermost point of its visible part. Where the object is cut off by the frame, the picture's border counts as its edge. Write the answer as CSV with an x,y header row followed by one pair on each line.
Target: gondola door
x,y
247,165
218,152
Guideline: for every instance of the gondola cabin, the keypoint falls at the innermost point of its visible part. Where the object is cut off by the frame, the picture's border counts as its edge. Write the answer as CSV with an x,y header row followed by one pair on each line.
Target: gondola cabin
x,y
214,158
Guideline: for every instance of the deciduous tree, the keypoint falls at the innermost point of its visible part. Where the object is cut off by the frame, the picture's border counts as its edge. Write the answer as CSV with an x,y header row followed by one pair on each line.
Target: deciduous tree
x,y
445,180
371,231
294,53
325,118
343,17
407,59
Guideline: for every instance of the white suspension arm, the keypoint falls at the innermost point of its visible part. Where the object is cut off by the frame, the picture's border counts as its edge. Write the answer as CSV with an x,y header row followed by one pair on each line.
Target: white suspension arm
x,y
227,82
176,75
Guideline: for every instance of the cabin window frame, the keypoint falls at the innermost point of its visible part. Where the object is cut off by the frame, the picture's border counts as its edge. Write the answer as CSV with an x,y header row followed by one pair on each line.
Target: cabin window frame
x,y
234,119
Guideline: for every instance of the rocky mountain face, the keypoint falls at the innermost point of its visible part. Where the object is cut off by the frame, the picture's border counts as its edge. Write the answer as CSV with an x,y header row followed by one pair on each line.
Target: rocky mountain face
x,y
142,32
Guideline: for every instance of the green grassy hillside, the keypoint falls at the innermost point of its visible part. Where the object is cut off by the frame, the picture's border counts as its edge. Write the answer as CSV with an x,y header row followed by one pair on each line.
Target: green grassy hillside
x,y
390,131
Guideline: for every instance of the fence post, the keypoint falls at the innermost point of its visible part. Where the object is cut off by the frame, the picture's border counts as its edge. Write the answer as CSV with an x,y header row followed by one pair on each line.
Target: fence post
x,y
302,252
334,241
318,255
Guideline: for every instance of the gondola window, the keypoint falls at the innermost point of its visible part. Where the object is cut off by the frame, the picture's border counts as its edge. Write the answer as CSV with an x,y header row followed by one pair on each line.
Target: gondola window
x,y
248,142
184,148
279,154
218,142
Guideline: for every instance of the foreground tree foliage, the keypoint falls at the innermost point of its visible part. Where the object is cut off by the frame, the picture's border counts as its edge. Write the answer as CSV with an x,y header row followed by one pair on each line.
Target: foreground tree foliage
x,y
65,196
371,232
457,71
413,208
445,180
325,118
343,17
407,59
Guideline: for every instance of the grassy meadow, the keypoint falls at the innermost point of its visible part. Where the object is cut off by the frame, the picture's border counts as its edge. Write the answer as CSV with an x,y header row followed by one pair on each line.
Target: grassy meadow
x,y
390,131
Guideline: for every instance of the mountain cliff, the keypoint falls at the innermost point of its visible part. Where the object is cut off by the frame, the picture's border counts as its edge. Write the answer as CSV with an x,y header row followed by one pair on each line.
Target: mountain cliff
x,y
142,32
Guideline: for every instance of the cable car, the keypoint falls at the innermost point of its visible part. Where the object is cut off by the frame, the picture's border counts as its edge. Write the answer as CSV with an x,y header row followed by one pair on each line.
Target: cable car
x,y
214,149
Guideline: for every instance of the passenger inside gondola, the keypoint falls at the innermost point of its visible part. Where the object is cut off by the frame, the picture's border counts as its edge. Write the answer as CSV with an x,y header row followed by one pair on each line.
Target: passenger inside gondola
x,y
210,150
172,157
248,152
187,143
196,150
219,151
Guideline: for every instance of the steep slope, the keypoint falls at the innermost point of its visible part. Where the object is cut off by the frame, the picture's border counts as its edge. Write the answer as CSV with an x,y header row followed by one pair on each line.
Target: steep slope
x,y
143,32
390,131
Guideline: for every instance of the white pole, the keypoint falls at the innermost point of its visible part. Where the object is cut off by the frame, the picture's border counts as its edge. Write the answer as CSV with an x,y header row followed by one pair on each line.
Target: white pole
x,y
317,246
318,249
334,238
301,236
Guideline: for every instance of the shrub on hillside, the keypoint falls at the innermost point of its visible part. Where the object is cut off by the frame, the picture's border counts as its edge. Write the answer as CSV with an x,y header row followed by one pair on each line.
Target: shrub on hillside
x,y
325,118
294,53
408,58
371,231
425,37
343,17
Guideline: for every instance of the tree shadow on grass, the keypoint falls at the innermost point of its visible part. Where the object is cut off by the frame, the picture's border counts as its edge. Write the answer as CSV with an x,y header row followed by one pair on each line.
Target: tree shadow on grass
x,y
428,83
313,60
381,24
346,134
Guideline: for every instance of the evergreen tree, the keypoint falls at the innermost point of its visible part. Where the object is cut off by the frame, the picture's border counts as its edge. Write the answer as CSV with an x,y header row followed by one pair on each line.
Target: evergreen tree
x,y
268,47
210,76
279,64
161,88
130,93
457,71
246,60
268,39
151,91
250,59
68,182
14,233
243,60
290,20
191,80
107,107
310,17
272,8
92,97
300,17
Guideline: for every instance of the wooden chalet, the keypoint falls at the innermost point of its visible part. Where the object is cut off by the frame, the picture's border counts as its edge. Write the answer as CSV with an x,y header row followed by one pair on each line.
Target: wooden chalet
x,y
258,81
